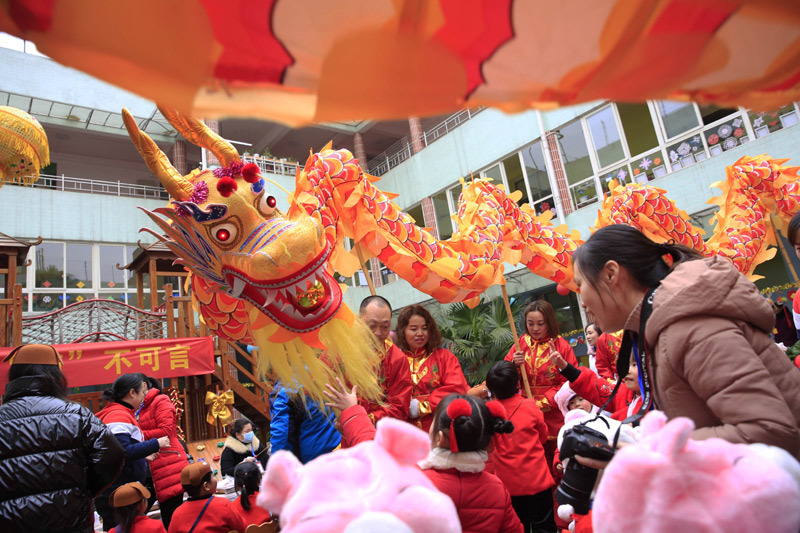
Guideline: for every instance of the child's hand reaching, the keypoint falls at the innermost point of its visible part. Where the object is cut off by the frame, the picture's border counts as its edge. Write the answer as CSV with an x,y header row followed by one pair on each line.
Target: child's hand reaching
x,y
340,399
556,358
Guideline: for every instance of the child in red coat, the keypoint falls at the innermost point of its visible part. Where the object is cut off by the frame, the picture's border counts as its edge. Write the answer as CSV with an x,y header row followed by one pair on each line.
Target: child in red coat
x,y
202,512
130,503
461,430
247,480
519,459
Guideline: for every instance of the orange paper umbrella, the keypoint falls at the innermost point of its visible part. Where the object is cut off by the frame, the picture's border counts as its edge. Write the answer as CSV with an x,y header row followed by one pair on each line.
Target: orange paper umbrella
x,y
301,61
23,147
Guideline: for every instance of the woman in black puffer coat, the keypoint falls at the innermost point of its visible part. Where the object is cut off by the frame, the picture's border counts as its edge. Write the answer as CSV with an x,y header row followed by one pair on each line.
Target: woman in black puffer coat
x,y
55,455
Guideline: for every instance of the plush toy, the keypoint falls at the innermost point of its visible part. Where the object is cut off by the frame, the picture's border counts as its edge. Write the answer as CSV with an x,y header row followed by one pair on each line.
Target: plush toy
x,y
375,486
667,483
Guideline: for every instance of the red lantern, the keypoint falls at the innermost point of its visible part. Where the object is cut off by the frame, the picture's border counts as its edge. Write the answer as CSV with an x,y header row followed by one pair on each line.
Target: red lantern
x,y
562,290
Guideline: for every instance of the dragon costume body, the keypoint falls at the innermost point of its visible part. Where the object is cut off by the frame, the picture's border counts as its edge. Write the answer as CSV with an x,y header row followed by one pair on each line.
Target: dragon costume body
x,y
266,277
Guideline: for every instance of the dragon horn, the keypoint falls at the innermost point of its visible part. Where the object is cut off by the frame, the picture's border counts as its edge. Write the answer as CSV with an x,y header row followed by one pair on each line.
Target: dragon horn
x,y
201,135
177,186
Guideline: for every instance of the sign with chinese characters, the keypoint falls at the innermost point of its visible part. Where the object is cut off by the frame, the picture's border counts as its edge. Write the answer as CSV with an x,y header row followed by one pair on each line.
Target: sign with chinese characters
x,y
99,363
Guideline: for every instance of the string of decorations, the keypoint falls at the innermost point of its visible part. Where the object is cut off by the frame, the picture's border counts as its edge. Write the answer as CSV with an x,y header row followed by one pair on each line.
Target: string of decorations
x,y
178,403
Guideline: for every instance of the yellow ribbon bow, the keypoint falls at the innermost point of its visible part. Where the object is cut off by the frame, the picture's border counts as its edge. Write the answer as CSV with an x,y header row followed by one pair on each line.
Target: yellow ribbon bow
x,y
218,407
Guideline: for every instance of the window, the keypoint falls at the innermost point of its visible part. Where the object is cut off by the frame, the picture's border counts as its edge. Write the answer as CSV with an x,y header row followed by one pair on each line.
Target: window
x,y
516,180
711,113
494,172
766,122
621,175
50,265
637,123
677,117
443,222
536,169
648,167
686,152
416,213
725,136
110,276
605,137
574,152
79,265
538,179
584,193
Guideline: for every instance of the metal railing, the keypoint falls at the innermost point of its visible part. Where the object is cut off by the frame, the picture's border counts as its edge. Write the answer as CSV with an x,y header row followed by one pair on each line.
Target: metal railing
x,y
112,188
272,166
403,149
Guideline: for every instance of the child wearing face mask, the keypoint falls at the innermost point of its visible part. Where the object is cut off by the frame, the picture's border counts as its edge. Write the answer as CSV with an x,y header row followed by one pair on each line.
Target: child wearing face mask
x,y
241,445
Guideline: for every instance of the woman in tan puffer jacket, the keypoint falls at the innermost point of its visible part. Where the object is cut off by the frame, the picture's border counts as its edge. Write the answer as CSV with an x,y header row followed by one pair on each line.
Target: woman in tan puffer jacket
x,y
707,338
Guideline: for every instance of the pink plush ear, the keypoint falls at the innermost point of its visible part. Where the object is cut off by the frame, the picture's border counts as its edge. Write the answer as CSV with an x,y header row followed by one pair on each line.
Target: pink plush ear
x,y
653,422
280,477
404,442
673,437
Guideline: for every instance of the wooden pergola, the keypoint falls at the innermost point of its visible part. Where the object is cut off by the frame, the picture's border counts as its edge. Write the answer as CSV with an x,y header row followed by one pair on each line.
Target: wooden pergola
x,y
154,260
13,254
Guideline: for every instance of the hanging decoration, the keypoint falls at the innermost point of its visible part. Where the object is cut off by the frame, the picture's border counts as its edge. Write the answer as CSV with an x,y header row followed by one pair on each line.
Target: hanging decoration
x,y
218,407
24,149
292,60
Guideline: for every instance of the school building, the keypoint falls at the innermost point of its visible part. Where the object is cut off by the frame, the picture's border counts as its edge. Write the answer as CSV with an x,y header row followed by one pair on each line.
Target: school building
x,y
84,207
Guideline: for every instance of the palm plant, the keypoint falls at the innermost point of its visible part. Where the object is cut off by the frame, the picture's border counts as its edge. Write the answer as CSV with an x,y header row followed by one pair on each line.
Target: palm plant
x,y
478,337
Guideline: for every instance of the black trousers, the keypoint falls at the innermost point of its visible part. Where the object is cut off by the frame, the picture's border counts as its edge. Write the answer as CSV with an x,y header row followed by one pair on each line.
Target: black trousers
x,y
105,511
536,512
168,507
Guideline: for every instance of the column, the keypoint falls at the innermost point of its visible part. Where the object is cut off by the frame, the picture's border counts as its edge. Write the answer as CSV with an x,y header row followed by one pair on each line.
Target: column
x,y
429,216
179,157
415,125
562,187
375,272
358,147
211,159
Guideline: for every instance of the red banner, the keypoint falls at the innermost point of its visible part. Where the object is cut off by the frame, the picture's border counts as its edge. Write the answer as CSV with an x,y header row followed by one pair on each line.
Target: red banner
x,y
99,363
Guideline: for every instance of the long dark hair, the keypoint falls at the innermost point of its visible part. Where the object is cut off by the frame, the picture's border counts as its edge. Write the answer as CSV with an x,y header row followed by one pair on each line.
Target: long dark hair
x,y
246,479
434,335
52,381
472,432
642,258
122,385
125,516
549,314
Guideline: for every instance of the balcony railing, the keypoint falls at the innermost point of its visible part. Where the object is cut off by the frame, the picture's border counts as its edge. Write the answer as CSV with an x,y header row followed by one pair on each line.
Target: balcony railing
x,y
156,192
272,166
403,149
112,188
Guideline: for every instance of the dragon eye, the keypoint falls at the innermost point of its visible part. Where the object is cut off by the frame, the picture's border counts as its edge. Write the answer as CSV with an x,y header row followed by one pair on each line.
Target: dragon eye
x,y
224,233
267,203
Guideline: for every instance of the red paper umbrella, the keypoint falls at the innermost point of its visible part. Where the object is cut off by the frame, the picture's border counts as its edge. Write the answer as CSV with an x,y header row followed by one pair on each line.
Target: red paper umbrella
x,y
302,61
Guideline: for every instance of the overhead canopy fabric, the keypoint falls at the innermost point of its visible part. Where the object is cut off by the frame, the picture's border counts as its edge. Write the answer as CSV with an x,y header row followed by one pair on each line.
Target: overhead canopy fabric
x,y
301,61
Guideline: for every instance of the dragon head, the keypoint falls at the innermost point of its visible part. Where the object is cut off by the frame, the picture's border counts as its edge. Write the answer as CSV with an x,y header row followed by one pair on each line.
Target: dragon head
x,y
225,227
257,275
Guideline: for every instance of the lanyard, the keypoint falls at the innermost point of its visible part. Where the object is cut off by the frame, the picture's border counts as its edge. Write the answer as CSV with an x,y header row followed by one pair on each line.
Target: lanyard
x,y
638,345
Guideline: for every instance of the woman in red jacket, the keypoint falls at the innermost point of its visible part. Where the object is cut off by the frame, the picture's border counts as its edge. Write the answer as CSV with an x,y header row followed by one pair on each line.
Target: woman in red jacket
x,y
540,340
519,459
159,419
435,372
